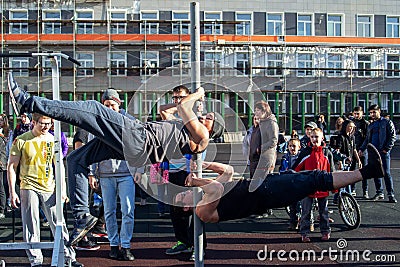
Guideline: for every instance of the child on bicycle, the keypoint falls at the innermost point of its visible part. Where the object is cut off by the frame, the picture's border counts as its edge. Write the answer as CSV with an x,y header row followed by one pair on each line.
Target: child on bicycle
x,y
316,157
287,162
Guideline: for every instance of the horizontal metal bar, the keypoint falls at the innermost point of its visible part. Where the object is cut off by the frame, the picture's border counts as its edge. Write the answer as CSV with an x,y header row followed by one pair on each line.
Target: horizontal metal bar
x,y
26,245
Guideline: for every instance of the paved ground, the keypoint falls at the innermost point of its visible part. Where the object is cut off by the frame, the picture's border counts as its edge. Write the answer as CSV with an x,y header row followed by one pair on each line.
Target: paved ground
x,y
237,243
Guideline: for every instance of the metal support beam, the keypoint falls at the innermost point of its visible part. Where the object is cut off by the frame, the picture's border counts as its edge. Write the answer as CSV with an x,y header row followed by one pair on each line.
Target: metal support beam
x,y
195,79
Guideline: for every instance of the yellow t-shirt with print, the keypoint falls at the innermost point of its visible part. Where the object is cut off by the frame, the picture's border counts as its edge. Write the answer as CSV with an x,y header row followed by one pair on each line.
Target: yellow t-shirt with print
x,y
36,158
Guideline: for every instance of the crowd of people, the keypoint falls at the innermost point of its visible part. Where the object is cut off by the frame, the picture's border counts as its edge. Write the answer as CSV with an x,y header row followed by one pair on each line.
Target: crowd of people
x,y
119,147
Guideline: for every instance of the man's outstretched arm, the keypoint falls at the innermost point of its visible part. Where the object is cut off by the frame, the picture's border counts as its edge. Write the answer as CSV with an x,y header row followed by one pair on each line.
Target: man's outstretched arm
x,y
206,209
199,134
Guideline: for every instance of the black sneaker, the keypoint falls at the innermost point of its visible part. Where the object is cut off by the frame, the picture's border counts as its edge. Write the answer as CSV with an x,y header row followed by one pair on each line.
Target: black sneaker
x,y
178,248
392,199
82,226
18,96
114,253
99,230
126,254
86,244
374,168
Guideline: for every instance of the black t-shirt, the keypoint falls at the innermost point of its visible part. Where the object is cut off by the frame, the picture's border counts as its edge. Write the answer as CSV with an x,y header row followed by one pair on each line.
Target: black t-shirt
x,y
80,136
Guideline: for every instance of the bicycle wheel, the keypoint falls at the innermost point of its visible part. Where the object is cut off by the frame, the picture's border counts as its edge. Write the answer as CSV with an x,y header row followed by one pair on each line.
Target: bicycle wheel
x,y
349,210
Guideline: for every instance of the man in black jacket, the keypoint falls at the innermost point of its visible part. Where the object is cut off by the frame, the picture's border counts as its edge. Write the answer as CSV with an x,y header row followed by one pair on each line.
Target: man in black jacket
x,y
382,134
360,135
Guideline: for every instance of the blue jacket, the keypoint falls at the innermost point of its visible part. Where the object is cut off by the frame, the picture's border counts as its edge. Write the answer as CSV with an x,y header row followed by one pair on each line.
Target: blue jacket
x,y
387,135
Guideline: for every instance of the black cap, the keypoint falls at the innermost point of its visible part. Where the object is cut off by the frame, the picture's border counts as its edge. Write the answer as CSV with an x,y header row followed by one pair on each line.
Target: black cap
x,y
218,126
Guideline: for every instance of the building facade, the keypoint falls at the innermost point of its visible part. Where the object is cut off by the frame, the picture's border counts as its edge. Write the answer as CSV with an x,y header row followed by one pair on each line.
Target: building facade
x,y
303,57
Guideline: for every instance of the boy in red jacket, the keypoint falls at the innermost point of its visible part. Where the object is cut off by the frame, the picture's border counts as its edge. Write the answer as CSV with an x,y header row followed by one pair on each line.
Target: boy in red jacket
x,y
316,157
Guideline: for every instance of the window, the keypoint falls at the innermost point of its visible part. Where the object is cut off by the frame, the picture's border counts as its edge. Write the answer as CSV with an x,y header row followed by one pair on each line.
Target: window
x,y
51,23
149,63
87,64
392,27
19,66
181,63
334,62
117,21
274,24
308,103
334,25
305,63
212,63
274,64
393,65
245,26
304,25
242,63
180,24
364,65
19,27
118,63
47,65
83,27
396,103
212,26
147,27
364,26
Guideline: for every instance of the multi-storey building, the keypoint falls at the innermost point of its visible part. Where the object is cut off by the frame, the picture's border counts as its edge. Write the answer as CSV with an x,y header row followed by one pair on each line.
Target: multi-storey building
x,y
304,57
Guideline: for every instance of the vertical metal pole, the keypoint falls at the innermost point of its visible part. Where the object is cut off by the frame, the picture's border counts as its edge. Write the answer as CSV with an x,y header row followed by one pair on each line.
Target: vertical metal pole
x,y
195,71
71,127
303,110
58,252
328,110
290,112
277,106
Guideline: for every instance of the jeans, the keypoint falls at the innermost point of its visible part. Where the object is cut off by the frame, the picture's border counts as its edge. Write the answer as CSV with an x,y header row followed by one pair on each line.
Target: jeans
x,y
388,177
108,126
3,198
306,205
125,188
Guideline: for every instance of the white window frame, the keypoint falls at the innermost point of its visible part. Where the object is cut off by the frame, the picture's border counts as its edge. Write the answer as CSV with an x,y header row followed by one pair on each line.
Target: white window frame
x,y
180,25
20,66
84,27
396,103
153,62
149,27
52,24
180,63
246,25
46,65
276,62
331,25
115,63
393,65
362,26
117,25
212,27
332,62
278,29
364,74
213,62
393,28
306,63
18,27
308,103
243,70
87,64
308,25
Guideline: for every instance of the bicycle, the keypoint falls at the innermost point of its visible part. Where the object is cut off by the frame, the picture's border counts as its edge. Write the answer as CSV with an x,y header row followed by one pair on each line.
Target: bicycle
x,y
349,209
